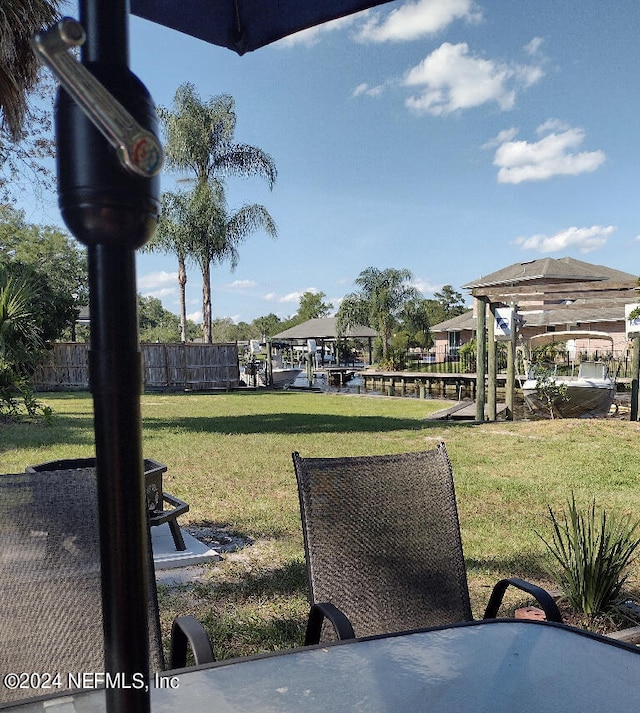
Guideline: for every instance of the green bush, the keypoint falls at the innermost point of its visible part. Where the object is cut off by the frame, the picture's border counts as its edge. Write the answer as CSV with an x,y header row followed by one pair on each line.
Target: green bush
x,y
594,551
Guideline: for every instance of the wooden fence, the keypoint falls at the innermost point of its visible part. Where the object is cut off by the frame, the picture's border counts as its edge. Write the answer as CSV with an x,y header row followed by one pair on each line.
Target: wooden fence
x,y
168,367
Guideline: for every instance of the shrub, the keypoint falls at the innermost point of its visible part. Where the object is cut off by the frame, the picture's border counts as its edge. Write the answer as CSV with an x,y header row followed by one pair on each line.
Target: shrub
x,y
594,551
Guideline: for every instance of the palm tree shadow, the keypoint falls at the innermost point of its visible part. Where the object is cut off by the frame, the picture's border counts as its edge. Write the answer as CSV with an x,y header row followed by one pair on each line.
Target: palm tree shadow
x,y
284,423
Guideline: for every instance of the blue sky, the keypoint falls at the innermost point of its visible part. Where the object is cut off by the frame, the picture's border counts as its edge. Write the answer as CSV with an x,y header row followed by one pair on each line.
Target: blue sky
x,y
449,137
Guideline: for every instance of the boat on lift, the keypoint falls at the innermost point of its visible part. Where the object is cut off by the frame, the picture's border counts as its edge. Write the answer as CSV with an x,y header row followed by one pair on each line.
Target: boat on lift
x,y
589,393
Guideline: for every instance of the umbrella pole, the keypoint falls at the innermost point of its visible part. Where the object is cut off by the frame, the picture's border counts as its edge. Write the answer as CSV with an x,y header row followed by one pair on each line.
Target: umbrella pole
x,y
113,213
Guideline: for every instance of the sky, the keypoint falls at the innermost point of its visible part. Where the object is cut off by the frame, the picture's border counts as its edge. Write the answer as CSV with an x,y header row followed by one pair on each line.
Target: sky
x,y
448,137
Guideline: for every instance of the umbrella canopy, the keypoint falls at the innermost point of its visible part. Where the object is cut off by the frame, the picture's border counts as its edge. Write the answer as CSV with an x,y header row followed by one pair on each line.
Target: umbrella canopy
x,y
245,25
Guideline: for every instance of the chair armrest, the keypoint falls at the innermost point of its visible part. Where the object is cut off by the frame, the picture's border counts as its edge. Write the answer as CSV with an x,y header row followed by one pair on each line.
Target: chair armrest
x,y
325,610
545,600
187,631
179,507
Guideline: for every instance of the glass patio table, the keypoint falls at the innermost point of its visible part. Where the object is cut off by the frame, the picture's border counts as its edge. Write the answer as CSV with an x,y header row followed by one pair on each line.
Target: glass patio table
x,y
495,666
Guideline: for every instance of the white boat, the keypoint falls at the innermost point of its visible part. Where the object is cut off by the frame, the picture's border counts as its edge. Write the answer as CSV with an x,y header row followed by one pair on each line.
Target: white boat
x,y
590,393
281,376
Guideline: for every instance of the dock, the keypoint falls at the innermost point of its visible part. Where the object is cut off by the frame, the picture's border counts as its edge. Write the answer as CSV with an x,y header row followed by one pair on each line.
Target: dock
x,y
423,382
465,411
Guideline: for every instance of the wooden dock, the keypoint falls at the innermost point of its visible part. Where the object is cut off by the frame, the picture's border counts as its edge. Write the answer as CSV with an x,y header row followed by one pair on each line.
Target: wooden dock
x,y
423,382
465,411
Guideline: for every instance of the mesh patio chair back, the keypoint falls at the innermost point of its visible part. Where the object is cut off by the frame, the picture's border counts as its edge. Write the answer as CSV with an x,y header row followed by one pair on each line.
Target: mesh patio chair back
x,y
50,585
382,540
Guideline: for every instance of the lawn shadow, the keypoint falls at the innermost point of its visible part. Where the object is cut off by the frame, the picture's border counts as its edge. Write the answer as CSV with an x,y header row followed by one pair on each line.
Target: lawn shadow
x,y
530,567
284,423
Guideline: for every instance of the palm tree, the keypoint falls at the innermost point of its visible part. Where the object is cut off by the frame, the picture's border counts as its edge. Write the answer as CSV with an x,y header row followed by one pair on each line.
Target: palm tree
x,y
214,234
378,304
21,344
172,236
200,141
19,21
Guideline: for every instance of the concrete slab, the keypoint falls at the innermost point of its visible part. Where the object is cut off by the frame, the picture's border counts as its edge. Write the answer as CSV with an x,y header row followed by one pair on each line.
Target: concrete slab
x,y
165,555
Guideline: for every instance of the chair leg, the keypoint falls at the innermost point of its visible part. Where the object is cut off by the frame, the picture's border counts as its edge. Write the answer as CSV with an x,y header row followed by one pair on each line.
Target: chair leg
x,y
178,539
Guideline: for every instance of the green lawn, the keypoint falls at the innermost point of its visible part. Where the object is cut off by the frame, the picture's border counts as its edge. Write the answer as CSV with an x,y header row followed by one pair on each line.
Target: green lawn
x,y
229,456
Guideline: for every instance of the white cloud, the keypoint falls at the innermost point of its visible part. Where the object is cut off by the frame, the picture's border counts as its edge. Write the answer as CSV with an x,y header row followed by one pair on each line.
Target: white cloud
x,y
291,297
501,138
413,20
367,90
451,79
195,317
585,240
162,292
426,287
533,47
555,154
313,35
154,280
242,284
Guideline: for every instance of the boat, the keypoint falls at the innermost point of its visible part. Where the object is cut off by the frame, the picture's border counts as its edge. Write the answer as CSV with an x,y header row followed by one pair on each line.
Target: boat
x,y
590,393
281,376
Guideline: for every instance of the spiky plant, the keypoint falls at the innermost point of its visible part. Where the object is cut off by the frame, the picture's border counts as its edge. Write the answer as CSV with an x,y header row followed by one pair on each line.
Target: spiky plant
x,y
594,551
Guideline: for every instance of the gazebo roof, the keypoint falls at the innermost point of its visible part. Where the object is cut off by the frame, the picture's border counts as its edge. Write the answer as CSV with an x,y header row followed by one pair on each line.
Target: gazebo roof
x,y
324,328
566,269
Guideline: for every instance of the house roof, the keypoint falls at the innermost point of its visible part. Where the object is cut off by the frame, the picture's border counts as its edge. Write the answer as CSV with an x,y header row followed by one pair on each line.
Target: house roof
x,y
323,328
463,321
566,269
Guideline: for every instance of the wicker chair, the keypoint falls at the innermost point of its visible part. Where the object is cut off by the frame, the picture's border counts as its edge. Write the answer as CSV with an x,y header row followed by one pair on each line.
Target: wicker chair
x,y
50,584
383,546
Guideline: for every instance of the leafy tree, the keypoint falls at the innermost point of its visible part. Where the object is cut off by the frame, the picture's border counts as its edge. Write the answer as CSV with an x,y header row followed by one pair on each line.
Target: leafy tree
x,y
415,323
447,303
312,306
157,324
51,259
266,326
200,141
379,303
21,346
547,388
19,67
24,130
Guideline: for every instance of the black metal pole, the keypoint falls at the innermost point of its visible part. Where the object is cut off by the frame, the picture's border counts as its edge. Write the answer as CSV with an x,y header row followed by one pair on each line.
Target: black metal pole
x,y
113,212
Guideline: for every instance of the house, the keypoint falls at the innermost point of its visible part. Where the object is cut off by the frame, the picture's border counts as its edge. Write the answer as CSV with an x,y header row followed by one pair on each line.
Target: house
x,y
551,295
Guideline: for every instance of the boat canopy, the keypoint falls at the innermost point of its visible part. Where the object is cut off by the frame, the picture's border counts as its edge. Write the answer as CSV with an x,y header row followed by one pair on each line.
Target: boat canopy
x,y
553,337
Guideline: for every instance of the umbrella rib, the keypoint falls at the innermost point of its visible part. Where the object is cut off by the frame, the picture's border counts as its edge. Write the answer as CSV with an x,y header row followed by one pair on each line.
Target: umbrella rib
x,y
238,22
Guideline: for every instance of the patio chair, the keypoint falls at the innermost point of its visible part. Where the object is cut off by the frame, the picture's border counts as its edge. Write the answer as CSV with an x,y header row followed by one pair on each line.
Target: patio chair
x,y
383,546
50,584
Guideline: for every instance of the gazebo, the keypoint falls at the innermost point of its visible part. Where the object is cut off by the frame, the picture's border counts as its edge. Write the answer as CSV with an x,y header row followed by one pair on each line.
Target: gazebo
x,y
324,329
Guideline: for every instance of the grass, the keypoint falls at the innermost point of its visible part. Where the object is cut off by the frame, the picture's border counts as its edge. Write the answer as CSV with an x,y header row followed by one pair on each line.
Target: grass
x,y
229,456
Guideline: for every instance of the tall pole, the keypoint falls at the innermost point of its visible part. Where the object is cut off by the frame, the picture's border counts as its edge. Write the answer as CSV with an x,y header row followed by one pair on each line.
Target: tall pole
x,y
481,355
511,363
113,212
492,369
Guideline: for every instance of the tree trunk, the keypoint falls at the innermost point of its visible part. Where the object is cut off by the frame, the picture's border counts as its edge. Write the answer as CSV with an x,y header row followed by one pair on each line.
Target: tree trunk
x,y
206,302
182,281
